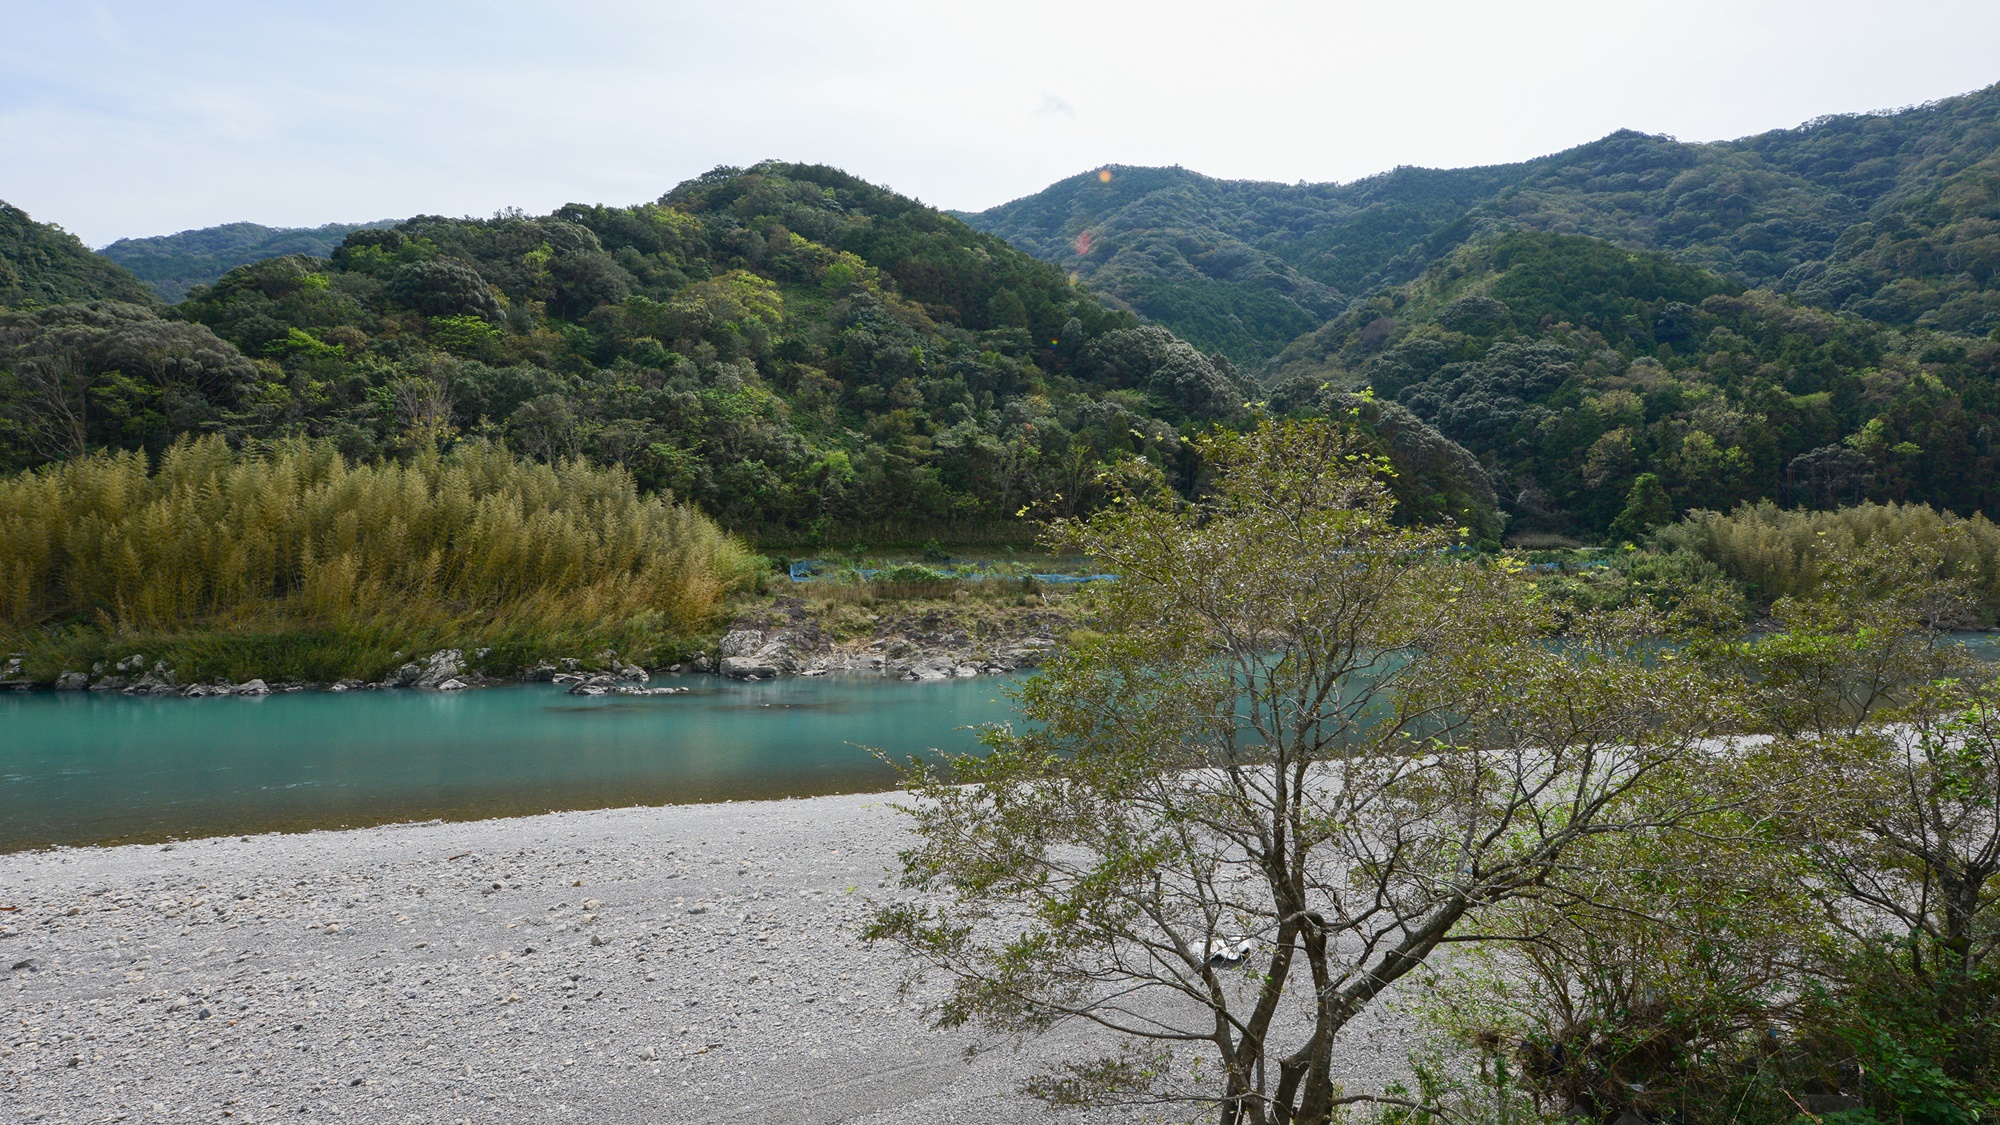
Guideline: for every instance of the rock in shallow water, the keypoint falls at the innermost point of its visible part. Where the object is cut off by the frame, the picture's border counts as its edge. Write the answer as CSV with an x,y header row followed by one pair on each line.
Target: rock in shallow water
x,y
440,666
747,667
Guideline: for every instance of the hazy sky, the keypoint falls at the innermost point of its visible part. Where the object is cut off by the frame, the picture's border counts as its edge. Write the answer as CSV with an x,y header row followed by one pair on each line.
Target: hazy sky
x,y
133,118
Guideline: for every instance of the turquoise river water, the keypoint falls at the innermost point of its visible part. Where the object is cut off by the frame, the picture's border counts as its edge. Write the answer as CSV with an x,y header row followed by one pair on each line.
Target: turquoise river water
x,y
82,768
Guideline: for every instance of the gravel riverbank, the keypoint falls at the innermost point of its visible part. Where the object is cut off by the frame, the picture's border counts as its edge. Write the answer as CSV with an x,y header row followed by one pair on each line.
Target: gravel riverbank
x,y
688,963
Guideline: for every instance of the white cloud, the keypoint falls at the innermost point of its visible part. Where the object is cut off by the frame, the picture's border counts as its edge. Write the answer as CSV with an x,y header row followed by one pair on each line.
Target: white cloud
x,y
126,117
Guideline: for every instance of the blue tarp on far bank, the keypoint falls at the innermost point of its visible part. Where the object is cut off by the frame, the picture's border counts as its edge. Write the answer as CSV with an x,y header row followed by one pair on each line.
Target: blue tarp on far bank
x,y
807,569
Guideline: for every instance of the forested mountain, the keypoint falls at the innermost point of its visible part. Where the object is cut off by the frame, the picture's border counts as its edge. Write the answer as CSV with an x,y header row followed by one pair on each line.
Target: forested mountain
x,y
174,263
1591,343
1236,265
1892,216
803,354
42,264
1607,391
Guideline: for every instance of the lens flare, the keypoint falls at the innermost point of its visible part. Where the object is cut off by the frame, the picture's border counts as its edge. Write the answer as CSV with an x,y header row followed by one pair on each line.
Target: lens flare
x,y
1104,175
1083,244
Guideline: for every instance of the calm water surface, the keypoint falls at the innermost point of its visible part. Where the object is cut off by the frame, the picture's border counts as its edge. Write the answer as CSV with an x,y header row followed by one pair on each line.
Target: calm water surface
x,y
82,768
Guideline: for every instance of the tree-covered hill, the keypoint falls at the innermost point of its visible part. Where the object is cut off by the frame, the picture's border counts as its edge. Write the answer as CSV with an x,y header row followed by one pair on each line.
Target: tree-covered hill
x,y
1235,265
1606,390
1892,216
174,263
42,264
803,354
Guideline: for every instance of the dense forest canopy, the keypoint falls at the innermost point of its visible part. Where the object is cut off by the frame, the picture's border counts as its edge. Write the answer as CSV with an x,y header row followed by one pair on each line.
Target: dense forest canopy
x,y
1892,216
172,264
799,352
42,264
1606,391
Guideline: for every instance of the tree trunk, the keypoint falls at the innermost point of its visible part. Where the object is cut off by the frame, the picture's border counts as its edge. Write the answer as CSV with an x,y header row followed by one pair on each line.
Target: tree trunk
x,y
1305,1087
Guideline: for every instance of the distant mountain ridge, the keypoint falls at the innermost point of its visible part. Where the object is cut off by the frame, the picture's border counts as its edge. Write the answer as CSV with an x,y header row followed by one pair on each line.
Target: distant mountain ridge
x,y
1893,216
172,264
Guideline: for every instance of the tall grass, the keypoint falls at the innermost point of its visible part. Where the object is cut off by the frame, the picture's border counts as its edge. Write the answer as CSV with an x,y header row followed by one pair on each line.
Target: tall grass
x,y
301,535
1776,553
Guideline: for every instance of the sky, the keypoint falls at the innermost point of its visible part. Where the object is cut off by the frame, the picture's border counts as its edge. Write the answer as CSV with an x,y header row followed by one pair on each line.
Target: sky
x,y
125,119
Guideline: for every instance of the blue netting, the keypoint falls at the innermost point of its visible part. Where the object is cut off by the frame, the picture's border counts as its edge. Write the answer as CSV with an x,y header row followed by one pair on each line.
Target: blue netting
x,y
1558,567
805,570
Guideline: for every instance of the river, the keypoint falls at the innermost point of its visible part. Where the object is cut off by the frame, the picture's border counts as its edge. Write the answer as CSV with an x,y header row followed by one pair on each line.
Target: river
x,y
86,768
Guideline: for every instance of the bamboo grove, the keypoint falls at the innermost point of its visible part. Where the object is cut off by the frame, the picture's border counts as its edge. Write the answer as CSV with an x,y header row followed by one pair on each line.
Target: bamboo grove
x,y
300,535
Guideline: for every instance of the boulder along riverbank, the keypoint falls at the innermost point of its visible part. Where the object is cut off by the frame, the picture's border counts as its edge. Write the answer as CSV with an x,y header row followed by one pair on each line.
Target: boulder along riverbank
x,y
781,637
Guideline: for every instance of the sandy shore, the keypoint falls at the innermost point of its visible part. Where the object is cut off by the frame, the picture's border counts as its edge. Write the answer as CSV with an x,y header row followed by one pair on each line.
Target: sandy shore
x,y
689,963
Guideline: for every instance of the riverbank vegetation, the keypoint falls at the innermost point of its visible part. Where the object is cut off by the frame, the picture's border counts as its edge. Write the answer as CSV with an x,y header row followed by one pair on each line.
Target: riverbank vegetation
x,y
1651,872
329,569
1778,553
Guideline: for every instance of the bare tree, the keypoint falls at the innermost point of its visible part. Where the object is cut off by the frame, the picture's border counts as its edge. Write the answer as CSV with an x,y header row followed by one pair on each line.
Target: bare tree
x,y
424,411
55,404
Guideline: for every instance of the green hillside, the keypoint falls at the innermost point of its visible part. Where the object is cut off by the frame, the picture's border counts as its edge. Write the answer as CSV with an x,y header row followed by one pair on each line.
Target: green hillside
x,y
1236,265
42,264
1892,216
1607,390
805,355
172,264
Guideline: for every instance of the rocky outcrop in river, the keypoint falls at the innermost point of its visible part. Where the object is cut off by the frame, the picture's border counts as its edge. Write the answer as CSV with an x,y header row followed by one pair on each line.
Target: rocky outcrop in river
x,y
934,645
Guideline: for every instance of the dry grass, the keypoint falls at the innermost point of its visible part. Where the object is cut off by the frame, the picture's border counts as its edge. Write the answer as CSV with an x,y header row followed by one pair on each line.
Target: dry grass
x,y
1775,552
299,536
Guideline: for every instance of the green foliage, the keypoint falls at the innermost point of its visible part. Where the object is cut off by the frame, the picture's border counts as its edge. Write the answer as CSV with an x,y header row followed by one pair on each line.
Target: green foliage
x,y
41,264
78,377
1930,1048
1434,479
1887,216
275,646
1896,817
1300,748
1572,368
1238,266
467,337
1647,506
1226,316
802,354
1818,945
172,264
1632,306
1646,982
1678,585
913,572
